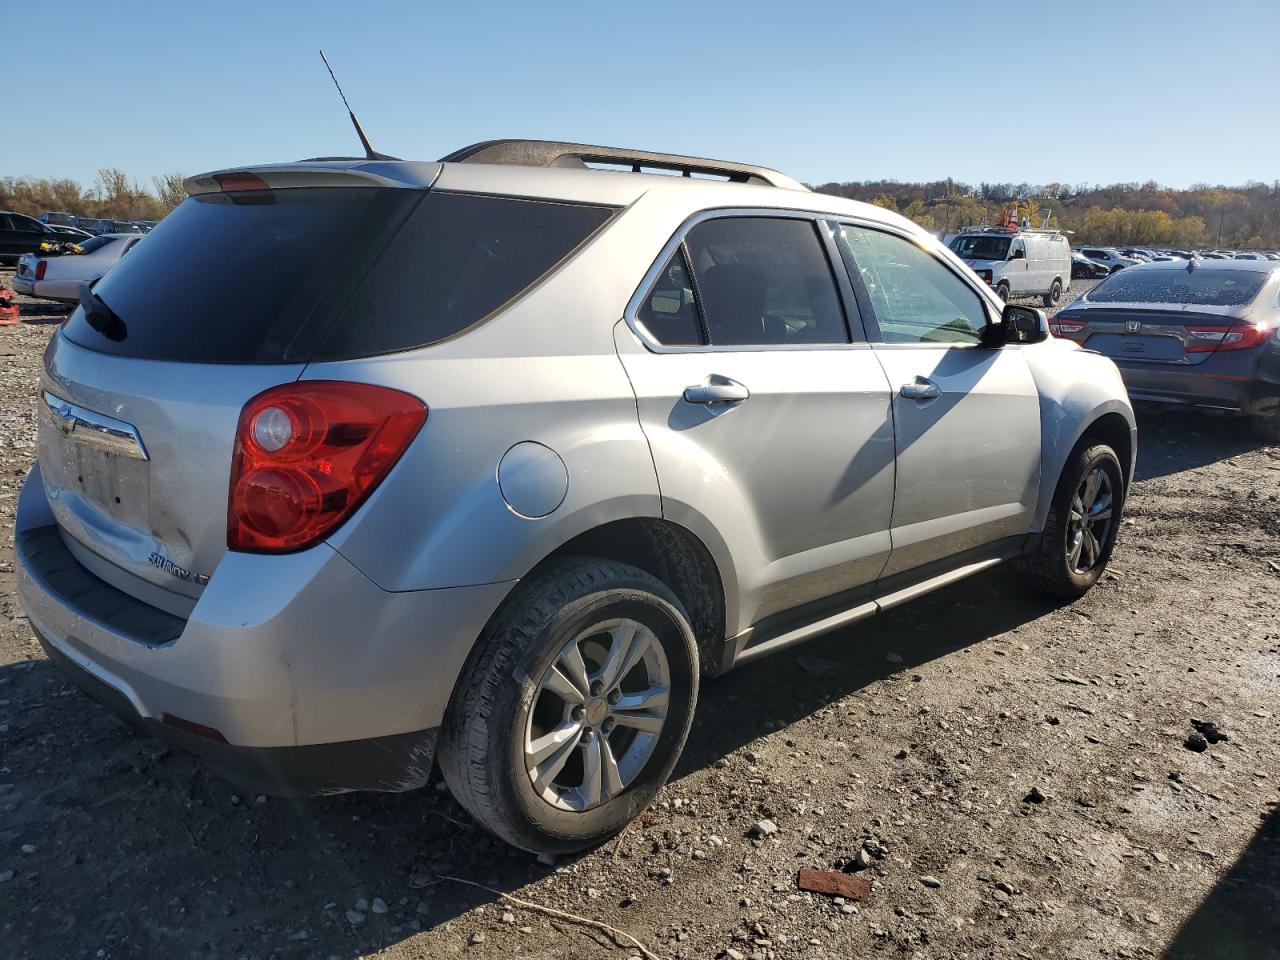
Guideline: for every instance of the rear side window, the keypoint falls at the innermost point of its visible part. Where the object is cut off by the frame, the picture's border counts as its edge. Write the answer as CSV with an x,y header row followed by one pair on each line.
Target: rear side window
x,y
457,260
288,276
765,281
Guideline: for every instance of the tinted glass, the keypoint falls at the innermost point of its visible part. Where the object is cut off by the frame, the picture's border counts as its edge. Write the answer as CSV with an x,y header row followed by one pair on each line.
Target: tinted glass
x,y
670,312
1204,287
90,244
765,281
915,297
27,224
981,247
242,278
457,260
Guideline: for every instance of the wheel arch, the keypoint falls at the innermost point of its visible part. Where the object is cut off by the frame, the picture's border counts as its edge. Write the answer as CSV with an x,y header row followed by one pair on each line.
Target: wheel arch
x,y
673,554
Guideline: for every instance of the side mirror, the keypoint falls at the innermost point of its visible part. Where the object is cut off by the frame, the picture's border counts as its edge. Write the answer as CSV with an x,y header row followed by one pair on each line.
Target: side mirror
x,y
1018,255
1017,325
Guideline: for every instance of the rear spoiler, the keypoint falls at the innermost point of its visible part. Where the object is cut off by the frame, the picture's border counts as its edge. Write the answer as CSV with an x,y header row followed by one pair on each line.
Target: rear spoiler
x,y
318,173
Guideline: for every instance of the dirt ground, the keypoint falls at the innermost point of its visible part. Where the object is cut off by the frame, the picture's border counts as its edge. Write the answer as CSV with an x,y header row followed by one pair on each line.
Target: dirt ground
x,y
920,738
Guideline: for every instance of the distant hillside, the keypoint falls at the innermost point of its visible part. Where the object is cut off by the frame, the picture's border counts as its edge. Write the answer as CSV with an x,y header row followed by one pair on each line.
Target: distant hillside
x,y
111,196
1123,214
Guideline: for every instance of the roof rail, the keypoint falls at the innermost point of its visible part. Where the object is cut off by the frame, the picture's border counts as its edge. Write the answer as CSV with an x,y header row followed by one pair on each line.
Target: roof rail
x,y
551,153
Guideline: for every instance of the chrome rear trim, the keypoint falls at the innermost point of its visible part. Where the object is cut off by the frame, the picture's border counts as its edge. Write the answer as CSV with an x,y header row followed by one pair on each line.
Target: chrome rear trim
x,y
94,429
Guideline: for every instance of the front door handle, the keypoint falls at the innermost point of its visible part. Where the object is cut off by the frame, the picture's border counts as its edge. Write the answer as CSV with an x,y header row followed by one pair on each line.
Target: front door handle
x,y
717,389
921,389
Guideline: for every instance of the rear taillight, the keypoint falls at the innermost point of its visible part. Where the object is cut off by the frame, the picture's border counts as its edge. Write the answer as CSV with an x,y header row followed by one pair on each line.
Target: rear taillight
x,y
41,267
1065,328
307,454
1242,336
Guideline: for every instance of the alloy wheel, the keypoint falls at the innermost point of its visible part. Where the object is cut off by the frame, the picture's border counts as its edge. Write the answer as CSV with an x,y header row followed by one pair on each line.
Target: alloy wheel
x,y
597,714
1090,522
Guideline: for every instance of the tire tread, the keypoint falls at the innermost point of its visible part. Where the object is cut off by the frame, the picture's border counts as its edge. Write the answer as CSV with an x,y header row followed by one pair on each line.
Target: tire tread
x,y
464,748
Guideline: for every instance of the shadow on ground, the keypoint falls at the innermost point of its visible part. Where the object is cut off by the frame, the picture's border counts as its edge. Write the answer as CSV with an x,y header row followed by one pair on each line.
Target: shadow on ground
x,y
1240,918
1171,440
141,852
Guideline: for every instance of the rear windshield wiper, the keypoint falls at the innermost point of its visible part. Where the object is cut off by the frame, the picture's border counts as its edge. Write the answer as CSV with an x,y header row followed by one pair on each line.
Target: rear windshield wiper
x,y
100,316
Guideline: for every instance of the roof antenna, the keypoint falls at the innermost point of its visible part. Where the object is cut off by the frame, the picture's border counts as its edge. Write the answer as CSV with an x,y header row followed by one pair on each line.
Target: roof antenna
x,y
369,152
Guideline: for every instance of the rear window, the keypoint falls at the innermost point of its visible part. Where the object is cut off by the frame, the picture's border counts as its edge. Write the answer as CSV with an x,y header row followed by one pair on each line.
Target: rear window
x,y
90,244
1205,287
292,275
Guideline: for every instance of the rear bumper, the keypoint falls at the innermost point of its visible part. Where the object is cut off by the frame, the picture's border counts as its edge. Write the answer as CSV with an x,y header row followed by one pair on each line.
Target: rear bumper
x,y
394,763
1218,383
23,285
288,658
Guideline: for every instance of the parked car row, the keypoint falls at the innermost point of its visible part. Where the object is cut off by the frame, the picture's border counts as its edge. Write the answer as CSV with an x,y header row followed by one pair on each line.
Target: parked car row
x,y
21,234
96,226
1128,256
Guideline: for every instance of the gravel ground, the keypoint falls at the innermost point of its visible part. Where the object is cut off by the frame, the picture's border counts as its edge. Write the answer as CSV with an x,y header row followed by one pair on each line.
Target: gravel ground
x,y
1010,774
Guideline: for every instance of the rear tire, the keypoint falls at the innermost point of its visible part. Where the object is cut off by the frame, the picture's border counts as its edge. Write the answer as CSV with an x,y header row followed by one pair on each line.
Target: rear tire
x,y
1071,551
1054,295
538,691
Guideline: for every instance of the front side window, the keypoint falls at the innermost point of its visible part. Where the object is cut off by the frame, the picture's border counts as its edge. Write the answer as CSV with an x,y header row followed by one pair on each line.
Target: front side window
x,y
915,297
765,281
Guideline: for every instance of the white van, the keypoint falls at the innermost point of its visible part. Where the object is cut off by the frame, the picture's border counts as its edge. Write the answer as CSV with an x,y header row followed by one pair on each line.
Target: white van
x,y
1018,263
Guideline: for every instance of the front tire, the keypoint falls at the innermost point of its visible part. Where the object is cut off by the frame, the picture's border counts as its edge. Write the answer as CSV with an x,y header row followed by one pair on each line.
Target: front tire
x,y
1079,534
1002,291
573,708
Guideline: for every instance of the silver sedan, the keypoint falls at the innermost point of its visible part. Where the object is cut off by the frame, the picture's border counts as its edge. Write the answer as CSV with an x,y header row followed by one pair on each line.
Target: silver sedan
x,y
61,277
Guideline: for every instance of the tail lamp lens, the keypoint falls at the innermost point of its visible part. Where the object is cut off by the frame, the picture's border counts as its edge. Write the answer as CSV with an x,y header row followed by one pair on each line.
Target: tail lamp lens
x,y
1242,336
41,267
1064,328
307,454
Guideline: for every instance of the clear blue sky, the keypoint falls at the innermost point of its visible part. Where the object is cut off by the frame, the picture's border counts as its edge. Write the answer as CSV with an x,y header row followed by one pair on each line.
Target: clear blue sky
x,y
1175,91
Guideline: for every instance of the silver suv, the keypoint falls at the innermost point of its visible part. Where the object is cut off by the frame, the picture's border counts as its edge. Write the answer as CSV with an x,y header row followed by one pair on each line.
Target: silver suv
x,y
354,464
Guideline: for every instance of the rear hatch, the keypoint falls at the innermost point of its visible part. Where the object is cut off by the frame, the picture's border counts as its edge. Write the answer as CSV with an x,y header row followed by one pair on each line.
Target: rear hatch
x,y
144,385
254,276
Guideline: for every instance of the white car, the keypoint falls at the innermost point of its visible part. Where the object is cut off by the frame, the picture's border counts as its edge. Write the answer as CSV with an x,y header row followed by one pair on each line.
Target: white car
x,y
1109,257
61,277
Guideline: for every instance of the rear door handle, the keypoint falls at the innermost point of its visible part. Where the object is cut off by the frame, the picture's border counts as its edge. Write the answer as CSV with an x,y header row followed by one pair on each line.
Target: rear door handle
x,y
921,389
717,389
